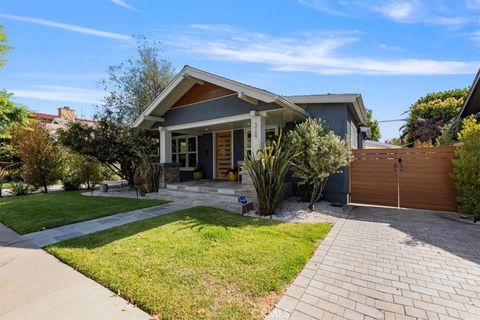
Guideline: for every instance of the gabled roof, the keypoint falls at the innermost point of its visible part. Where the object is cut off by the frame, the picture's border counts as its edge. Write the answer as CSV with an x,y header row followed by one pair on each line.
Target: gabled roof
x,y
472,102
189,76
354,99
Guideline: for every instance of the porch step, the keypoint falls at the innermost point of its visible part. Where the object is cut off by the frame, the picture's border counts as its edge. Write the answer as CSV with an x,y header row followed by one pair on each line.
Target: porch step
x,y
205,189
195,198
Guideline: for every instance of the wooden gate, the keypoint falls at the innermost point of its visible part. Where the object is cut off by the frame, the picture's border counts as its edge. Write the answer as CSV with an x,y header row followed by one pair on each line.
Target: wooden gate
x,y
418,178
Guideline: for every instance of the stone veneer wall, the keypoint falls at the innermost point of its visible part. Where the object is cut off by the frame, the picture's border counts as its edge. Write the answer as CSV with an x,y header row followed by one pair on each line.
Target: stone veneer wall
x,y
170,172
248,188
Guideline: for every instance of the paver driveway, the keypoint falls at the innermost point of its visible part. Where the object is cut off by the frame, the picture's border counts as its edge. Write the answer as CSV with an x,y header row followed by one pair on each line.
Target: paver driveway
x,y
390,264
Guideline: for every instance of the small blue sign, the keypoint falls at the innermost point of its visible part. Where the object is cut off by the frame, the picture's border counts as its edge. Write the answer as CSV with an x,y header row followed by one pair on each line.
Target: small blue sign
x,y
243,200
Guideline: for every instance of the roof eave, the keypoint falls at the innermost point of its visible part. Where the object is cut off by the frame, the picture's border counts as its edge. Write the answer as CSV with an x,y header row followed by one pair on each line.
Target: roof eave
x,y
475,83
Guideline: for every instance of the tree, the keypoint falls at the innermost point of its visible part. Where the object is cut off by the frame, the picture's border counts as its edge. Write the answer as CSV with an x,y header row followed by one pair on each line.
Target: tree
x,y
114,144
323,153
3,46
267,169
373,125
40,156
11,114
430,113
135,83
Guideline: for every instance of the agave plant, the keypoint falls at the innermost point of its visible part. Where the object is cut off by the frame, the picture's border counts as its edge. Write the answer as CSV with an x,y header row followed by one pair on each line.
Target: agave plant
x,y
267,169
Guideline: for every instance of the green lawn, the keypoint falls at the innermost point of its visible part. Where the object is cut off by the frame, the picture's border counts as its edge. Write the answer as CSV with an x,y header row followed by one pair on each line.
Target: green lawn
x,y
35,212
199,263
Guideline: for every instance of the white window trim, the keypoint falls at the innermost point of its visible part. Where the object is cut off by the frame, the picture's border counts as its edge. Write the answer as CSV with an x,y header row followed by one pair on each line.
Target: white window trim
x,y
177,153
245,135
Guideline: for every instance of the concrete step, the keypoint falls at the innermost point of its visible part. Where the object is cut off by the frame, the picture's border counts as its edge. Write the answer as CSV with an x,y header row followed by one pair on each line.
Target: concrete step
x,y
205,189
221,201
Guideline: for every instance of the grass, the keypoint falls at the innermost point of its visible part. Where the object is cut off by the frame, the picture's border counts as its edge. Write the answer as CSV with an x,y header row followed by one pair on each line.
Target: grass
x,y
198,263
36,212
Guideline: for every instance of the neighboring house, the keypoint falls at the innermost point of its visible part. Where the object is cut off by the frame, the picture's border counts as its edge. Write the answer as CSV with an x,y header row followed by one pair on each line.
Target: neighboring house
x,y
370,144
59,121
210,121
472,102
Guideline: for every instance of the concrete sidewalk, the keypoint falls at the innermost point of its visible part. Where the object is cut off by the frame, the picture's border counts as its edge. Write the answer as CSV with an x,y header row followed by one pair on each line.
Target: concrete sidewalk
x,y
36,285
50,236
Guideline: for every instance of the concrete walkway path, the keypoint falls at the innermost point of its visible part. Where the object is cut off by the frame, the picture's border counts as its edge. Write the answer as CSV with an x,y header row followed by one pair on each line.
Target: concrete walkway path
x,y
394,264
51,236
35,285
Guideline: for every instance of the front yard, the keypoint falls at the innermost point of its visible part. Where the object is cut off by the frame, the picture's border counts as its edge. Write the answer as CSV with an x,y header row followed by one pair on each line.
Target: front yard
x,y
199,263
36,212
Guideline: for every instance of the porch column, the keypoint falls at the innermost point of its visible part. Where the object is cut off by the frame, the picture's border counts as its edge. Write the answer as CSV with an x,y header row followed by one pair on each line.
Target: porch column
x,y
257,129
165,145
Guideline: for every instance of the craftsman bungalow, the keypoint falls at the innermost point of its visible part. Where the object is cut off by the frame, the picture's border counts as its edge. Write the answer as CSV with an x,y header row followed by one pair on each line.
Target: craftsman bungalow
x,y
210,121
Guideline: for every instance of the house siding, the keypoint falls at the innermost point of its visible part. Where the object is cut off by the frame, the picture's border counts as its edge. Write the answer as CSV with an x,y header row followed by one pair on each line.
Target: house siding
x,y
205,154
213,109
238,146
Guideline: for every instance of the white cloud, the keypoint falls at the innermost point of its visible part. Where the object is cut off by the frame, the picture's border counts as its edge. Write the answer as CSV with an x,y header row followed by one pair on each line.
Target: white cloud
x,y
69,27
402,11
472,4
397,10
323,6
48,75
60,93
317,53
125,5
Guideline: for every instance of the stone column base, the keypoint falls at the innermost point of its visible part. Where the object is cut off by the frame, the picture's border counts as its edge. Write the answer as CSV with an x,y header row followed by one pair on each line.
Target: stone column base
x,y
169,173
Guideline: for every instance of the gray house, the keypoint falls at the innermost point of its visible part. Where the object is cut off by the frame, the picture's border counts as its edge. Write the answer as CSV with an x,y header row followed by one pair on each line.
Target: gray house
x,y
210,121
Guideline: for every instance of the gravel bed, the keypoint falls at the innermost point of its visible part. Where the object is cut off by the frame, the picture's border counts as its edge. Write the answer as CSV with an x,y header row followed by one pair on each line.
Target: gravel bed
x,y
293,210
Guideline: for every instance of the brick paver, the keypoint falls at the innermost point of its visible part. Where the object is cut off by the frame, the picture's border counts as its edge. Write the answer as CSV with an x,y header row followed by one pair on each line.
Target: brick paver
x,y
390,264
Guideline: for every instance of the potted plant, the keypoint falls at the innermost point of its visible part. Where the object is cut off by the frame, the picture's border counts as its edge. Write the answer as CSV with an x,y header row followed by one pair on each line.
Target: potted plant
x,y
232,174
198,173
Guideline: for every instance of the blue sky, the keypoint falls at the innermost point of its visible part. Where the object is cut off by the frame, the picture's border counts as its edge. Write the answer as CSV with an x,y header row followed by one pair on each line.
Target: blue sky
x,y
390,51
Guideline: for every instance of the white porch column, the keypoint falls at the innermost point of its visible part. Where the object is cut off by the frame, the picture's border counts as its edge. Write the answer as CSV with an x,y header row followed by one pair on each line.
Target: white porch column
x,y
257,129
165,145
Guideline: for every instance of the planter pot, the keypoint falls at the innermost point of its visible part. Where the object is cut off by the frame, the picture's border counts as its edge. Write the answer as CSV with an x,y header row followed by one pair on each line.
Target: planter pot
x,y
197,175
232,176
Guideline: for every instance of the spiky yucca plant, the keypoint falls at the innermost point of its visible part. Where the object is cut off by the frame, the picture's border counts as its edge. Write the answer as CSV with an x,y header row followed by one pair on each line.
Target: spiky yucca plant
x,y
267,169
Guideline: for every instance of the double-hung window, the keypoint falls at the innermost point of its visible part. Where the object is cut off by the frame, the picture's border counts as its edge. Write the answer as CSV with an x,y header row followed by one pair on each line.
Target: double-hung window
x,y
271,132
184,151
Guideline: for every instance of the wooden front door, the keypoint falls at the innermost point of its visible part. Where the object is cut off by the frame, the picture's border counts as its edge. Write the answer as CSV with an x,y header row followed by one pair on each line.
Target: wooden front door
x,y
223,155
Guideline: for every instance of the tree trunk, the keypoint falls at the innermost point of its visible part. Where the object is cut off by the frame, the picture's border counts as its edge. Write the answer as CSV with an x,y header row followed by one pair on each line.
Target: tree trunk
x,y
45,189
314,196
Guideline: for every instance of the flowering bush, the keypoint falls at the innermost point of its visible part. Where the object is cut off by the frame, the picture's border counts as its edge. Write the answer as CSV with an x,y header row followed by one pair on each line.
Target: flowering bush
x,y
429,115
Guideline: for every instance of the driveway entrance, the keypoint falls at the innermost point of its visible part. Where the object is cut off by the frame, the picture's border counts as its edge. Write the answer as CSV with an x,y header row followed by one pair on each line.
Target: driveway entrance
x,y
419,178
390,264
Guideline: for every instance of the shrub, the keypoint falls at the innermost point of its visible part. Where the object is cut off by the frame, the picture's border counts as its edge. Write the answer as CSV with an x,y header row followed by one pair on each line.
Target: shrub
x,y
267,169
469,124
22,188
71,183
322,154
81,169
467,174
147,178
